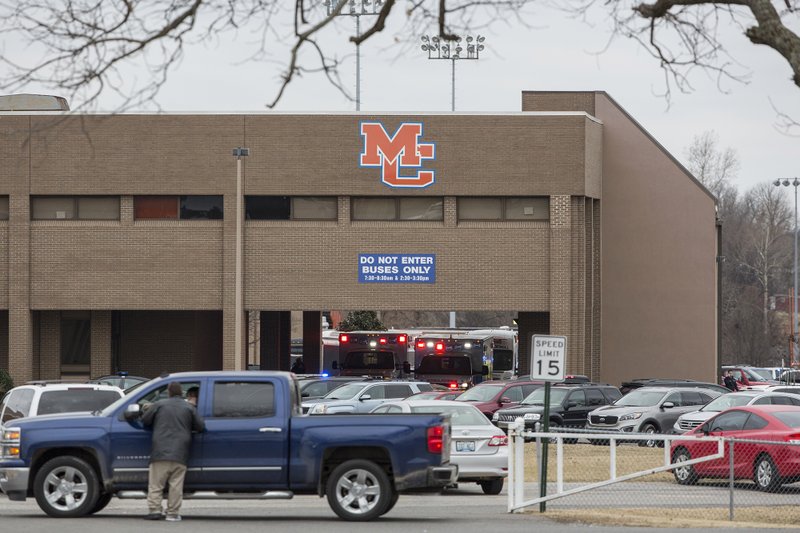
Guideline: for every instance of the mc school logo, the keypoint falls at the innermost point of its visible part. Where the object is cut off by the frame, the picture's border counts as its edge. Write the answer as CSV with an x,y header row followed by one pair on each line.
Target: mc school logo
x,y
400,152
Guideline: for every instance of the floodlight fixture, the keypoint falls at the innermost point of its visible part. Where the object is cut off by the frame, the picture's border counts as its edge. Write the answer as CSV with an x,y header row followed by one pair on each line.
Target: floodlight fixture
x,y
452,50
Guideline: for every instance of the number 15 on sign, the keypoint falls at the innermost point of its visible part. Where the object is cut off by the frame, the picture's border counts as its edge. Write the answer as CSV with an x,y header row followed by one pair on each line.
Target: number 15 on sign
x,y
548,358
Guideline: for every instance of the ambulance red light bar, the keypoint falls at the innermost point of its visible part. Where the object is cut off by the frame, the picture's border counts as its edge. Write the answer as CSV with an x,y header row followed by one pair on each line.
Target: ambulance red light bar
x,y
382,340
344,338
439,346
421,344
401,339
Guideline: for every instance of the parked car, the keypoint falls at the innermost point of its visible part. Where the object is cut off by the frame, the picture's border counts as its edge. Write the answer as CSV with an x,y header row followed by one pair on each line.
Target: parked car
x,y
649,410
478,448
628,386
788,389
768,465
120,379
313,387
747,378
35,399
569,406
434,395
363,397
691,420
490,396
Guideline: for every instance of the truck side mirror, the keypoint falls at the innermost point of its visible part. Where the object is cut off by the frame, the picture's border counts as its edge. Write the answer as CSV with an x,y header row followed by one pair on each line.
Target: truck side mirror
x,y
484,370
335,365
132,412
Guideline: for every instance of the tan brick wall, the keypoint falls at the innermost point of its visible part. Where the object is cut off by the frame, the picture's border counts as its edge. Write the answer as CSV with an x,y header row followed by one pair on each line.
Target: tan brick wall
x,y
4,340
558,101
49,345
4,264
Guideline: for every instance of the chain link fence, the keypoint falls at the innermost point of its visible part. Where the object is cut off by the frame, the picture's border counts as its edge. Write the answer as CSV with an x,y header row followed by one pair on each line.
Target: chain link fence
x,y
720,479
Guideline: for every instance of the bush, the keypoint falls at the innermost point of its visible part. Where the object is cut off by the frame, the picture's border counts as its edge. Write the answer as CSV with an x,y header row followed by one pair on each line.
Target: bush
x,y
361,321
6,383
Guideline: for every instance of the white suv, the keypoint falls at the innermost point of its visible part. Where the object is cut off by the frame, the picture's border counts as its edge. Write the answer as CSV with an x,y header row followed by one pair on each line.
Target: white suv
x,y
36,399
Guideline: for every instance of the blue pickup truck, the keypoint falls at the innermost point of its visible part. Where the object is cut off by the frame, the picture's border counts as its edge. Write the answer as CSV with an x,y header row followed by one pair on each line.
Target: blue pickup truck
x,y
257,444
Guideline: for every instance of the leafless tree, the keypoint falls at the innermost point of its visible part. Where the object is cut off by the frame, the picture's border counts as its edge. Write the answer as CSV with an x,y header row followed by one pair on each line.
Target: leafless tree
x,y
80,47
716,168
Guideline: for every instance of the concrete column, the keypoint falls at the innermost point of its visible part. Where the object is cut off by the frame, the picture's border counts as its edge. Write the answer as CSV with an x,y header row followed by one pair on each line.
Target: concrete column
x,y
20,325
312,341
100,344
530,324
561,275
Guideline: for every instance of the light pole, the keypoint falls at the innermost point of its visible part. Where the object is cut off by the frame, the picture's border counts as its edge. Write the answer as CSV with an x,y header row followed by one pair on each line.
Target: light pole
x,y
239,153
795,182
452,51
357,9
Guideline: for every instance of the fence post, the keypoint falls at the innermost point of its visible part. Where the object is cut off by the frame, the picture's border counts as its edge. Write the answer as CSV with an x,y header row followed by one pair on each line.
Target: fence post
x,y
730,480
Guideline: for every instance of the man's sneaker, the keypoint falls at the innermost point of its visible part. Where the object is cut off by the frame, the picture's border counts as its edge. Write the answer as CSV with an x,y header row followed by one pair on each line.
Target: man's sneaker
x,y
154,516
173,518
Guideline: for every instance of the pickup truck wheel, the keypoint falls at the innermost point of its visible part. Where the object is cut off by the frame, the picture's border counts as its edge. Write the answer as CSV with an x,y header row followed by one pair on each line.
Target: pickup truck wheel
x,y
102,502
359,490
66,487
392,501
492,486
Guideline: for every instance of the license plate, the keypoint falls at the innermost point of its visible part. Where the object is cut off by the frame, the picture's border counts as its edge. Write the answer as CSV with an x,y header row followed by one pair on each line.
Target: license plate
x,y
465,445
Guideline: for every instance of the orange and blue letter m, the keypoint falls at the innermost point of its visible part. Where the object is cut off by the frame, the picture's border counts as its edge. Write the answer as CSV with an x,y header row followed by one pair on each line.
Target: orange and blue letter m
x,y
400,152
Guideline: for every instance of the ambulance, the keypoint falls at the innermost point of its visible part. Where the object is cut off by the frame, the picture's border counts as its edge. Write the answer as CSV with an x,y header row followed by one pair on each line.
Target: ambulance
x,y
456,360
379,354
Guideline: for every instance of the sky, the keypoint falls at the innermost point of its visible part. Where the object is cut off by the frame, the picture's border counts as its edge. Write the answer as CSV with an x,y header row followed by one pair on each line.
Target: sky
x,y
556,52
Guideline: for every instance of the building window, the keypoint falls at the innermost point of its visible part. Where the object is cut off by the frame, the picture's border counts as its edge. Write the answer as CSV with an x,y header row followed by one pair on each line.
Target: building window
x,y
75,342
3,207
191,207
504,208
291,207
398,208
75,208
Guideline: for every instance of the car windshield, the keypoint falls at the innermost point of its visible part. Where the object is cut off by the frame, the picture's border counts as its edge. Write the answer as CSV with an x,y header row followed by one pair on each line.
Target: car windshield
x,y
751,375
75,399
503,360
537,397
459,416
445,364
640,398
763,373
481,393
790,418
726,401
345,392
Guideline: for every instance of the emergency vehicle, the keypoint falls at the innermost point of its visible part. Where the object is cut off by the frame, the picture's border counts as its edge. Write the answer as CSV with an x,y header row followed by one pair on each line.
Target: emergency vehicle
x,y
381,354
458,360
505,352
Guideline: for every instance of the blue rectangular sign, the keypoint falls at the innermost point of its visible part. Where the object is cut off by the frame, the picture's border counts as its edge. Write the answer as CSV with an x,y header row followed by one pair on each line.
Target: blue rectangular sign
x,y
396,268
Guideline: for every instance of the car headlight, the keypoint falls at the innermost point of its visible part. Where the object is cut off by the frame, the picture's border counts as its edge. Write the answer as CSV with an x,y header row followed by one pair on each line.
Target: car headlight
x,y
630,416
532,416
495,417
318,409
464,385
10,443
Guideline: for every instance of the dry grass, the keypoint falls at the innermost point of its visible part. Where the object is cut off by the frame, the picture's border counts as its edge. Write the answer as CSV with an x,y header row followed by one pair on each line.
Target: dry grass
x,y
757,517
586,463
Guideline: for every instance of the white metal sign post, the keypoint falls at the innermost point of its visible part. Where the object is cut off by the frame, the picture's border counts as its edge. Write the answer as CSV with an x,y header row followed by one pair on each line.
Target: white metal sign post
x,y
548,360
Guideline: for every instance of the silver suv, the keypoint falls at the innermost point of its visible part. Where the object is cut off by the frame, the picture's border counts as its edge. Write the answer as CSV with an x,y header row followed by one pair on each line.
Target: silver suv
x,y
649,410
363,396
49,398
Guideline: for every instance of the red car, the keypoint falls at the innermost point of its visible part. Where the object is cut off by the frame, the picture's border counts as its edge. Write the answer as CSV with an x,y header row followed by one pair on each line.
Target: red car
x,y
435,395
490,396
768,465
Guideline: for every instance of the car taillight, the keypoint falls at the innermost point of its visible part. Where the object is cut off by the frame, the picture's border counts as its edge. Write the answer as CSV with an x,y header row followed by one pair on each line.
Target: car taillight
x,y
453,385
793,438
401,339
499,440
343,338
436,439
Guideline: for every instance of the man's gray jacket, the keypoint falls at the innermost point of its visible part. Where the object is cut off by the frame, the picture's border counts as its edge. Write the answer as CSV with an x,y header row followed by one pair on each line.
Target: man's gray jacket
x,y
173,421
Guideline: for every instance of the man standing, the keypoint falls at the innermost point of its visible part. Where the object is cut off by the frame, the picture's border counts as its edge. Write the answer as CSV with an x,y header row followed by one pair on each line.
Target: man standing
x,y
173,421
730,381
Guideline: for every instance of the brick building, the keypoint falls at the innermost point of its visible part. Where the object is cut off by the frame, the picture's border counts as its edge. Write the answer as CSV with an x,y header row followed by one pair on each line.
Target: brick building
x,y
118,238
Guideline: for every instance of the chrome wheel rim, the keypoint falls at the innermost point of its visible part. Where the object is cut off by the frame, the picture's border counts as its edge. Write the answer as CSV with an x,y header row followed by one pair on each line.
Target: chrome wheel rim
x,y
682,472
650,443
65,488
358,491
764,473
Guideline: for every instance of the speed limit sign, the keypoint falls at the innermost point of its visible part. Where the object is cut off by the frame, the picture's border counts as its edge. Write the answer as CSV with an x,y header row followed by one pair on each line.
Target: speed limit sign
x,y
548,358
